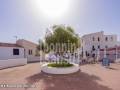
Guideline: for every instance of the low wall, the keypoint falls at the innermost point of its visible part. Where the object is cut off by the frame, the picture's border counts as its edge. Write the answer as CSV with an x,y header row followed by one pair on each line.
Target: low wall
x,y
34,59
12,62
54,70
117,61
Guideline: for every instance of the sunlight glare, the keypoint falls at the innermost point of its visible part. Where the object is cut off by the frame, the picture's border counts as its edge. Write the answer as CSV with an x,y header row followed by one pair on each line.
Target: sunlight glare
x,y
52,8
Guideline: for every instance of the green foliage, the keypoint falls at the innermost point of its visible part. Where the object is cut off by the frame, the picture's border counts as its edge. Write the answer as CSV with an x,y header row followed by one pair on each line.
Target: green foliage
x,y
60,64
63,34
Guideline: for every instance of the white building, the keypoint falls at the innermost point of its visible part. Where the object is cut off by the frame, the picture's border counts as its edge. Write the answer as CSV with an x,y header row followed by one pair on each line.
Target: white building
x,y
95,41
17,54
22,49
11,51
30,48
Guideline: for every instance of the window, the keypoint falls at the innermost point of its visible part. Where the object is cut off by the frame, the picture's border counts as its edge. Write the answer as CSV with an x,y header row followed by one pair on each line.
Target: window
x,y
106,46
98,39
15,51
106,39
93,39
111,38
30,52
93,48
86,53
98,46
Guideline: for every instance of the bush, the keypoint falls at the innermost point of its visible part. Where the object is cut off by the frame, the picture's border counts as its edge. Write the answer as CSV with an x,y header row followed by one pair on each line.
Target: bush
x,y
62,63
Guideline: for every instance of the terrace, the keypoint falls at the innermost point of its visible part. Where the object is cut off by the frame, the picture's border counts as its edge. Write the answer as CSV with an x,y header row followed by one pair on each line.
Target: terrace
x,y
90,77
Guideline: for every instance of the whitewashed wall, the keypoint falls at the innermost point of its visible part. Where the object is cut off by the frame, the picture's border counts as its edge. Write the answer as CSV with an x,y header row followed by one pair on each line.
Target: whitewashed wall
x,y
88,41
117,61
12,62
28,46
34,59
7,53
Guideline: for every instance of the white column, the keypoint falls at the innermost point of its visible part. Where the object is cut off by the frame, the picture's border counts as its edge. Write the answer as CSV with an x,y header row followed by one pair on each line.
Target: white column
x,y
84,54
78,52
105,53
98,54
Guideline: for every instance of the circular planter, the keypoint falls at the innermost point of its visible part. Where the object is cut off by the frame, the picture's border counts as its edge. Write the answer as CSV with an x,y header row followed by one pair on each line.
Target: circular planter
x,y
54,70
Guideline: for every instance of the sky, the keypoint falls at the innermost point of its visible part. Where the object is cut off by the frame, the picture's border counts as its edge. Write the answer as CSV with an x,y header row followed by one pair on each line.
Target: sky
x,y
23,18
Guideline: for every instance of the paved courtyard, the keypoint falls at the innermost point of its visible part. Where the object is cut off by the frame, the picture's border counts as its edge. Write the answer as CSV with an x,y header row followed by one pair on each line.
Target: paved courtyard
x,y
90,77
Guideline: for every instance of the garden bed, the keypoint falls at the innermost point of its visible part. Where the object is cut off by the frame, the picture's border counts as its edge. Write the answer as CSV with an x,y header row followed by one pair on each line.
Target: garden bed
x,y
60,65
53,68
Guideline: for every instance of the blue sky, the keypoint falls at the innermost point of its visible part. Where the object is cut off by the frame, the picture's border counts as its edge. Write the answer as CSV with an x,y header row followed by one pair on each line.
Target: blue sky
x,y
20,18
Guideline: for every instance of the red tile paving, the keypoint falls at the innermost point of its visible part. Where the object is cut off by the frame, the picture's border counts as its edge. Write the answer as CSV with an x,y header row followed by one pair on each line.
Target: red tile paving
x,y
90,77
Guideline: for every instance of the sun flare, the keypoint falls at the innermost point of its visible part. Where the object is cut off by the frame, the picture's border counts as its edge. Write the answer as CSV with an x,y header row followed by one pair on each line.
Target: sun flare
x,y
52,8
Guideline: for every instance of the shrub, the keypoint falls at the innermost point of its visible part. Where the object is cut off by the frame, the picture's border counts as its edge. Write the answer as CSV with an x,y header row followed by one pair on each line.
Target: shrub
x,y
62,63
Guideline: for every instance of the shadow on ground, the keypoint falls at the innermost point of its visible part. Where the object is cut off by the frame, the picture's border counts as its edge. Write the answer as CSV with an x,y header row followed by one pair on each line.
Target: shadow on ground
x,y
113,68
77,81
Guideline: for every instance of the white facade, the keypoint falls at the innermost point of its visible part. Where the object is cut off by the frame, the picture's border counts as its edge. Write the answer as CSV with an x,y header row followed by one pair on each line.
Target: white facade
x,y
7,53
25,49
17,54
30,48
95,41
